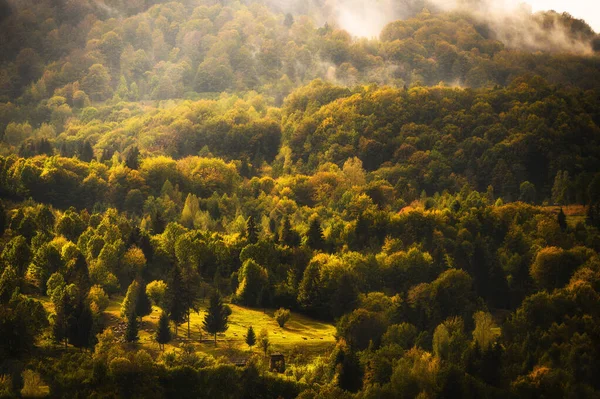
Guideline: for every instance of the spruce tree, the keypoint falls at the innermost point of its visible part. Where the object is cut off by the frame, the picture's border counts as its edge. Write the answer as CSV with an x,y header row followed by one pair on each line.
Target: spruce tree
x,y
132,158
252,230
562,220
314,237
131,331
86,154
175,306
163,332
216,317
251,337
143,307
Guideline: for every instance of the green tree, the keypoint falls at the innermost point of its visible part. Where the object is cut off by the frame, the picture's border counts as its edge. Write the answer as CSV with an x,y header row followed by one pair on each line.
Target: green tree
x,y
250,337
157,291
253,279
176,309
527,192
289,236
282,316
132,158
252,230
143,307
128,305
216,317
132,328
560,189
314,237
163,332
309,291
483,334
97,83
263,341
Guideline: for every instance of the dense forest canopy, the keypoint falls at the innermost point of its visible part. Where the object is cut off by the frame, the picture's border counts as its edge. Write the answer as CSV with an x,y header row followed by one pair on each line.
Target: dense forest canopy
x,y
192,191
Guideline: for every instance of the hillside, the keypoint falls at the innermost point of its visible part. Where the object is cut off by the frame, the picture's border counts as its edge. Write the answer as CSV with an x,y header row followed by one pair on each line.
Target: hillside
x,y
422,204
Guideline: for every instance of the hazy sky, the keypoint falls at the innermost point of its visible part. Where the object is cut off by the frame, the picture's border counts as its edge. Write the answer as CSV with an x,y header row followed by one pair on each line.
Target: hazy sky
x,y
588,10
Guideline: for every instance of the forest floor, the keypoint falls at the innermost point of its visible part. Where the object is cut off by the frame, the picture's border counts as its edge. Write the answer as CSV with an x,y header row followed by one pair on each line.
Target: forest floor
x,y
300,337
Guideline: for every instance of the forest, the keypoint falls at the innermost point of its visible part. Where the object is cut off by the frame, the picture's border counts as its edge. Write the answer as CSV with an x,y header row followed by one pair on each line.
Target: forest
x,y
240,199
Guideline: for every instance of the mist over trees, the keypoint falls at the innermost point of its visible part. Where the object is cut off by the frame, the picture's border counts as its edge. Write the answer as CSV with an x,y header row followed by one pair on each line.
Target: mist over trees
x,y
193,191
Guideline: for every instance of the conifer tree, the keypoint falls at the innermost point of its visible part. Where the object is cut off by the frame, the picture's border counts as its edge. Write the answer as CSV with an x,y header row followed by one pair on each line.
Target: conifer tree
x,y
131,331
143,307
562,220
252,230
251,337
86,153
176,309
216,317
132,158
163,332
314,237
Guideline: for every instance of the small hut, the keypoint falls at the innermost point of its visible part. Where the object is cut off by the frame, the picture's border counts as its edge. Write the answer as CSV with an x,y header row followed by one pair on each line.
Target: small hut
x,y
277,363
240,361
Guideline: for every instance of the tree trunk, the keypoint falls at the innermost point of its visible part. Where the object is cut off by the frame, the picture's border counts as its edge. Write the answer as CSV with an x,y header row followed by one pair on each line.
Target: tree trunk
x,y
215,340
188,317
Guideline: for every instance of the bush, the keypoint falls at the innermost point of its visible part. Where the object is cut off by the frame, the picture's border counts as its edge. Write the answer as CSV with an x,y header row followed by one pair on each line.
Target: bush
x,y
282,316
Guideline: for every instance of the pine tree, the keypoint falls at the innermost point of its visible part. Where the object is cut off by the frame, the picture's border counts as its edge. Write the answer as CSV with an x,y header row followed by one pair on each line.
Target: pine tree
x,y
562,220
175,306
163,332
86,154
314,237
250,337
216,317
252,230
288,236
143,307
132,158
131,331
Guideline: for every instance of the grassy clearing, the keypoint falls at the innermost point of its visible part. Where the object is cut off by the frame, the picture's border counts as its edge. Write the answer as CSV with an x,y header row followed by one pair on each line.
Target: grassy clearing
x,y
574,213
300,332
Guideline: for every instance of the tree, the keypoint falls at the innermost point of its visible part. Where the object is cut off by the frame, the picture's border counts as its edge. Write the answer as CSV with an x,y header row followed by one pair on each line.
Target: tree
x,y
560,189
253,280
99,297
263,341
216,317
163,332
143,307
289,236
527,192
483,334
562,220
156,291
362,327
174,305
97,83
131,331
128,305
282,316
250,337
309,291
132,159
314,237
252,230
553,267
86,152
